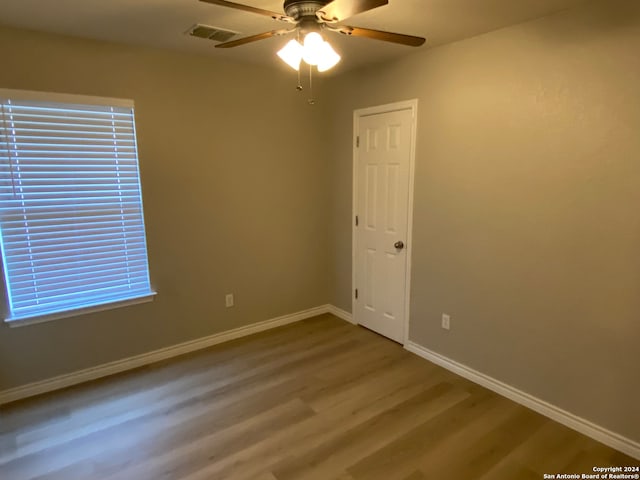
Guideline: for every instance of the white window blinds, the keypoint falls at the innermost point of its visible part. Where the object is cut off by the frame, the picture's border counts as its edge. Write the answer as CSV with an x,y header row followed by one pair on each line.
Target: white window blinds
x,y
71,217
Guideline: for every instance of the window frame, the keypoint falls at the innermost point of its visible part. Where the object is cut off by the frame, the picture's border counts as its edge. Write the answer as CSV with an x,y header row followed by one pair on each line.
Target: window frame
x,y
71,311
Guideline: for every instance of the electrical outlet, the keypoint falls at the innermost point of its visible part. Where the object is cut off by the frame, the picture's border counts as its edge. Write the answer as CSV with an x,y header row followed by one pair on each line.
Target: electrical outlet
x,y
446,321
228,300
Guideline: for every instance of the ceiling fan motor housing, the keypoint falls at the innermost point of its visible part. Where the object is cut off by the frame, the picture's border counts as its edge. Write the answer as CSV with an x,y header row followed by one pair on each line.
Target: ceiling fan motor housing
x,y
299,9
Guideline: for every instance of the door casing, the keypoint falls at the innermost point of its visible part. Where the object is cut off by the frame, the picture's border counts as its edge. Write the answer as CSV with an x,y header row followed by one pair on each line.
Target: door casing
x,y
411,105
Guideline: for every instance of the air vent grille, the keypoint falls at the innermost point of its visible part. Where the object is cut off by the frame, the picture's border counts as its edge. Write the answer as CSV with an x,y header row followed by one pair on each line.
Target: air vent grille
x,y
211,33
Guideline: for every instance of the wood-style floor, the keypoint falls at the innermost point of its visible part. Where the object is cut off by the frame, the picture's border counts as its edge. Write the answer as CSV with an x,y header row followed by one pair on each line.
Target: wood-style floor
x,y
320,399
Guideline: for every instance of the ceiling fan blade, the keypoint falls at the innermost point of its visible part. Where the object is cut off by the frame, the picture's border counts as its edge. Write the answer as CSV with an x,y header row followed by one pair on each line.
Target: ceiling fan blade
x,y
253,38
338,10
247,8
400,38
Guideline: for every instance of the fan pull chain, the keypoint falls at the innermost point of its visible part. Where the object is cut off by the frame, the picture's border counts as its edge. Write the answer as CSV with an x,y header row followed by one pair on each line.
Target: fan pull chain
x,y
311,100
299,86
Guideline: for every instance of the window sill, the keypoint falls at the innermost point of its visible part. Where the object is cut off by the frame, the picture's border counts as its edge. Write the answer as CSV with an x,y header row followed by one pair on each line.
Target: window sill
x,y
23,322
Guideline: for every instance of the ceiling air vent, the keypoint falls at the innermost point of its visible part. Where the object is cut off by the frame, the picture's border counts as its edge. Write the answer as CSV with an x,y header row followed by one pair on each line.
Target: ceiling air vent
x,y
211,33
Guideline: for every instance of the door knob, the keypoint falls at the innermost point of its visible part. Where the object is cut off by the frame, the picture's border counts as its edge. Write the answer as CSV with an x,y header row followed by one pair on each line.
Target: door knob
x,y
399,245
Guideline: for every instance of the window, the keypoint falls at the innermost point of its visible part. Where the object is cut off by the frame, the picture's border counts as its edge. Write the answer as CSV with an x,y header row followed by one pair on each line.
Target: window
x,y
71,221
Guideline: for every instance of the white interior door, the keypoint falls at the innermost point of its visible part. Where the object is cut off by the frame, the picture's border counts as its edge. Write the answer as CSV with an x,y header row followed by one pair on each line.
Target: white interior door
x,y
382,170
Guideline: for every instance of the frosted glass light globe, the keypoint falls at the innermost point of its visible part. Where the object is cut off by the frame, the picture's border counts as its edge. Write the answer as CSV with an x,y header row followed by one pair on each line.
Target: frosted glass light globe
x,y
291,54
313,48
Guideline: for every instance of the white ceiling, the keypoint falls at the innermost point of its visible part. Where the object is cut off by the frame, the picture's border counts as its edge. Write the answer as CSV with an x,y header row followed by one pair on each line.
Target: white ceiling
x,y
163,23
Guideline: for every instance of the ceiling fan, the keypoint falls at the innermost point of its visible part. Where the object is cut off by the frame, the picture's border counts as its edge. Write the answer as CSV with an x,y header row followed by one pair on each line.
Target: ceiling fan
x,y
308,19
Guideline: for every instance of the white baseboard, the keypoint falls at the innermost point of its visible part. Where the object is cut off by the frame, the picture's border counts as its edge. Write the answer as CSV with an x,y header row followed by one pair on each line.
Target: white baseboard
x,y
568,419
338,312
137,361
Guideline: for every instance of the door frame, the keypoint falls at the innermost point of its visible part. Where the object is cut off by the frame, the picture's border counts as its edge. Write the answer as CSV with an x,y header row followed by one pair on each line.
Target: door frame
x,y
411,105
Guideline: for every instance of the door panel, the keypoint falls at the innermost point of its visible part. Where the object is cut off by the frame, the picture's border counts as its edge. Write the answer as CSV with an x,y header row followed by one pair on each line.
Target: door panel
x,y
382,184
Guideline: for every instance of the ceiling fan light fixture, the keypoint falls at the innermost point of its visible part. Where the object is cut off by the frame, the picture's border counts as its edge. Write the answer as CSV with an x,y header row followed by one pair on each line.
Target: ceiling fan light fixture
x,y
309,18
291,54
330,58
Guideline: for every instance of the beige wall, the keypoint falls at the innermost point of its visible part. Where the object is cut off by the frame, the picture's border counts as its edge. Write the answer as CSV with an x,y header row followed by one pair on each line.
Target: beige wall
x,y
526,226
234,191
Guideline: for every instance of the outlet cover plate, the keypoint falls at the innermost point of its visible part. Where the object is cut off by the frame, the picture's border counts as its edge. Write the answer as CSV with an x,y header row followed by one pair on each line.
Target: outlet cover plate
x,y
228,300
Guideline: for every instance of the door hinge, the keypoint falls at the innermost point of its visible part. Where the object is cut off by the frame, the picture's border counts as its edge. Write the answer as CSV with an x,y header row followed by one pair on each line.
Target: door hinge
x,y
358,141
356,293
357,221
